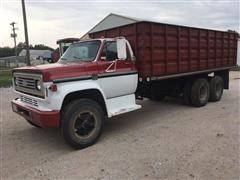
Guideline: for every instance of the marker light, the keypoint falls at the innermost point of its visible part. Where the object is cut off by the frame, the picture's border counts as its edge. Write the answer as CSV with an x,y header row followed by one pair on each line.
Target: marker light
x,y
53,87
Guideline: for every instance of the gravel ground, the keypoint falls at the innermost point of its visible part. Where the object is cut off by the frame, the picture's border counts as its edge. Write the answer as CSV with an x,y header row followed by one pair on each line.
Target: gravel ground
x,y
163,140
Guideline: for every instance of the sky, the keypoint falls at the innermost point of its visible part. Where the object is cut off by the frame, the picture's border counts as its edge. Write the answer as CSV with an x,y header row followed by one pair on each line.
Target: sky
x,y
50,20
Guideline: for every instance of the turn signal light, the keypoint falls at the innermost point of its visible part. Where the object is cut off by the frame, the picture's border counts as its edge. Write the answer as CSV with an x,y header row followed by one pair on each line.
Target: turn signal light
x,y
53,87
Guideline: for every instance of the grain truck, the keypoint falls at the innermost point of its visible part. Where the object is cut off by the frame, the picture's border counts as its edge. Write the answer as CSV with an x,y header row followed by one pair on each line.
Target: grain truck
x,y
102,77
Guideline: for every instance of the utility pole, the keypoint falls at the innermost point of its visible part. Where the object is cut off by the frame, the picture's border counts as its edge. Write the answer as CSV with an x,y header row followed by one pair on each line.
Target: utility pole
x,y
14,36
26,34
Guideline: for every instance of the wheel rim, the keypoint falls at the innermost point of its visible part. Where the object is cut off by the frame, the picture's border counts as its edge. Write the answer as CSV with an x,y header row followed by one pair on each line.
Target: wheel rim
x,y
84,124
203,93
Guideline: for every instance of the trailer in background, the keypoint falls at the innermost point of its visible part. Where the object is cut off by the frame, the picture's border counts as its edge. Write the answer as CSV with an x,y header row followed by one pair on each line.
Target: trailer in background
x,y
63,45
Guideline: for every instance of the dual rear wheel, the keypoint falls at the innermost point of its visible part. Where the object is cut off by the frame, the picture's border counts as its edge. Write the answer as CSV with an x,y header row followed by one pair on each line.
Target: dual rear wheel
x,y
200,91
216,88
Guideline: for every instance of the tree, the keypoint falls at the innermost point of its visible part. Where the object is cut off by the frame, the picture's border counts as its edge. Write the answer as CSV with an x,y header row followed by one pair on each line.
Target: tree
x,y
6,51
20,47
42,47
233,31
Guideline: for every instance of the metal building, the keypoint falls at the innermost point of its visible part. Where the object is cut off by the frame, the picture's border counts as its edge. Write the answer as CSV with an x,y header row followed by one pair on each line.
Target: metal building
x,y
111,21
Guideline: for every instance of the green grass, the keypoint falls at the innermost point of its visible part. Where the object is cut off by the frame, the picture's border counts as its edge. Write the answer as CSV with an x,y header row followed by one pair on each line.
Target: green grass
x,y
5,79
236,68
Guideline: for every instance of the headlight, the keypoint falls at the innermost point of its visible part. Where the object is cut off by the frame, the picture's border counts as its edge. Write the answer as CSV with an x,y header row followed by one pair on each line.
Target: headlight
x,y
15,81
38,85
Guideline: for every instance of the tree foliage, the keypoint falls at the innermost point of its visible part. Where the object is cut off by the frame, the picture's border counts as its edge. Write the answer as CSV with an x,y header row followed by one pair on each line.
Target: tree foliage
x,y
42,47
7,51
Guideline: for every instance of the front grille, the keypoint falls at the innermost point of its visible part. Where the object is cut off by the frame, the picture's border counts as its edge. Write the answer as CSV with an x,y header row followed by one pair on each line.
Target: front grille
x,y
26,83
28,100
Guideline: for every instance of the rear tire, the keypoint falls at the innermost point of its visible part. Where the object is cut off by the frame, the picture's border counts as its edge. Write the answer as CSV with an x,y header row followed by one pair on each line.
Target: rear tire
x,y
216,85
82,123
200,92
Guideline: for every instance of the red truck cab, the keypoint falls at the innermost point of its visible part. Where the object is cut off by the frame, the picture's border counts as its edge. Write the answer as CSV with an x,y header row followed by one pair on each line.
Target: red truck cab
x,y
101,71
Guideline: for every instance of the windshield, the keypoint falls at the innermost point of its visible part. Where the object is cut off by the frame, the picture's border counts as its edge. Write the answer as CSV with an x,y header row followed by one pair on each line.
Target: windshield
x,y
83,51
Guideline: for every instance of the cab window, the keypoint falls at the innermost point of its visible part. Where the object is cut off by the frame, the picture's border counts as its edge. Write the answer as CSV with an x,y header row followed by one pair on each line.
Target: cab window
x,y
110,50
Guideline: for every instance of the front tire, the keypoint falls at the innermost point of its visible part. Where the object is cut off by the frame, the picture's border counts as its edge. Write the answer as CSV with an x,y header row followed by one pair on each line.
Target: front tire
x,y
82,123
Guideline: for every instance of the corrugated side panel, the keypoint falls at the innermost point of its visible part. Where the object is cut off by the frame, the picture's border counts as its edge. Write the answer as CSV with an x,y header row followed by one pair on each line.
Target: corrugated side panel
x,y
163,49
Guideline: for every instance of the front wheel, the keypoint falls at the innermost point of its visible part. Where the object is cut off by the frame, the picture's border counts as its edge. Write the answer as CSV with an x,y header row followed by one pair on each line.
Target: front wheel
x,y
82,123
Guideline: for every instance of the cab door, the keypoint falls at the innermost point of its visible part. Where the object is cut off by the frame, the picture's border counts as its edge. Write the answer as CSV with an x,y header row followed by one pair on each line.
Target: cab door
x,y
117,77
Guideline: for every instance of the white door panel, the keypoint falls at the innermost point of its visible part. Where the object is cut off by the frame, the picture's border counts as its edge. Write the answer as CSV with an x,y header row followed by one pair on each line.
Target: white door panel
x,y
118,85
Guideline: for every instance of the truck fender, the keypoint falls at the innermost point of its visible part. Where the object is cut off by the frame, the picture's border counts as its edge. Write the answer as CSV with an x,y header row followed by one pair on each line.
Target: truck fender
x,y
77,87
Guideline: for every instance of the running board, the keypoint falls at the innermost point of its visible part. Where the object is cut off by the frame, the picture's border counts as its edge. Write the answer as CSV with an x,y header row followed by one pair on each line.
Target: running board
x,y
122,104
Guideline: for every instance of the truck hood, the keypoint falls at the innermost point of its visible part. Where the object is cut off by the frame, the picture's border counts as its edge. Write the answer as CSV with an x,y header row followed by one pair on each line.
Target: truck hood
x,y
59,70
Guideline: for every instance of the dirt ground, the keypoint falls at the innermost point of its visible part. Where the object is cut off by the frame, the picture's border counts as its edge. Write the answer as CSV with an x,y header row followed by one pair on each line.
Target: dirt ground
x,y
163,140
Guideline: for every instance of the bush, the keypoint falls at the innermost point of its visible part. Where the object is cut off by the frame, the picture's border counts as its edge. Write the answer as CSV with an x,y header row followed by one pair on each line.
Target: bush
x,y
236,68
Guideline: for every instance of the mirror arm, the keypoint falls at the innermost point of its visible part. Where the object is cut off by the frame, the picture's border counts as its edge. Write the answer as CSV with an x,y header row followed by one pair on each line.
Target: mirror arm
x,y
133,58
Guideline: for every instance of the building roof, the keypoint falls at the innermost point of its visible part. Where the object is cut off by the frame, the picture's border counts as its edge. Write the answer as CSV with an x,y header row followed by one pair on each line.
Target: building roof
x,y
111,21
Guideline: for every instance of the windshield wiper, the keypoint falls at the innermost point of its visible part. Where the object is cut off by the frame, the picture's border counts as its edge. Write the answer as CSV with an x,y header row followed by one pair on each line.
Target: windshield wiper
x,y
75,57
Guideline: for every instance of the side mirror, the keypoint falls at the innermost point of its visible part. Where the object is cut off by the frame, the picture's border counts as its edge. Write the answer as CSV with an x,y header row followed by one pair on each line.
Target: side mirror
x,y
121,49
